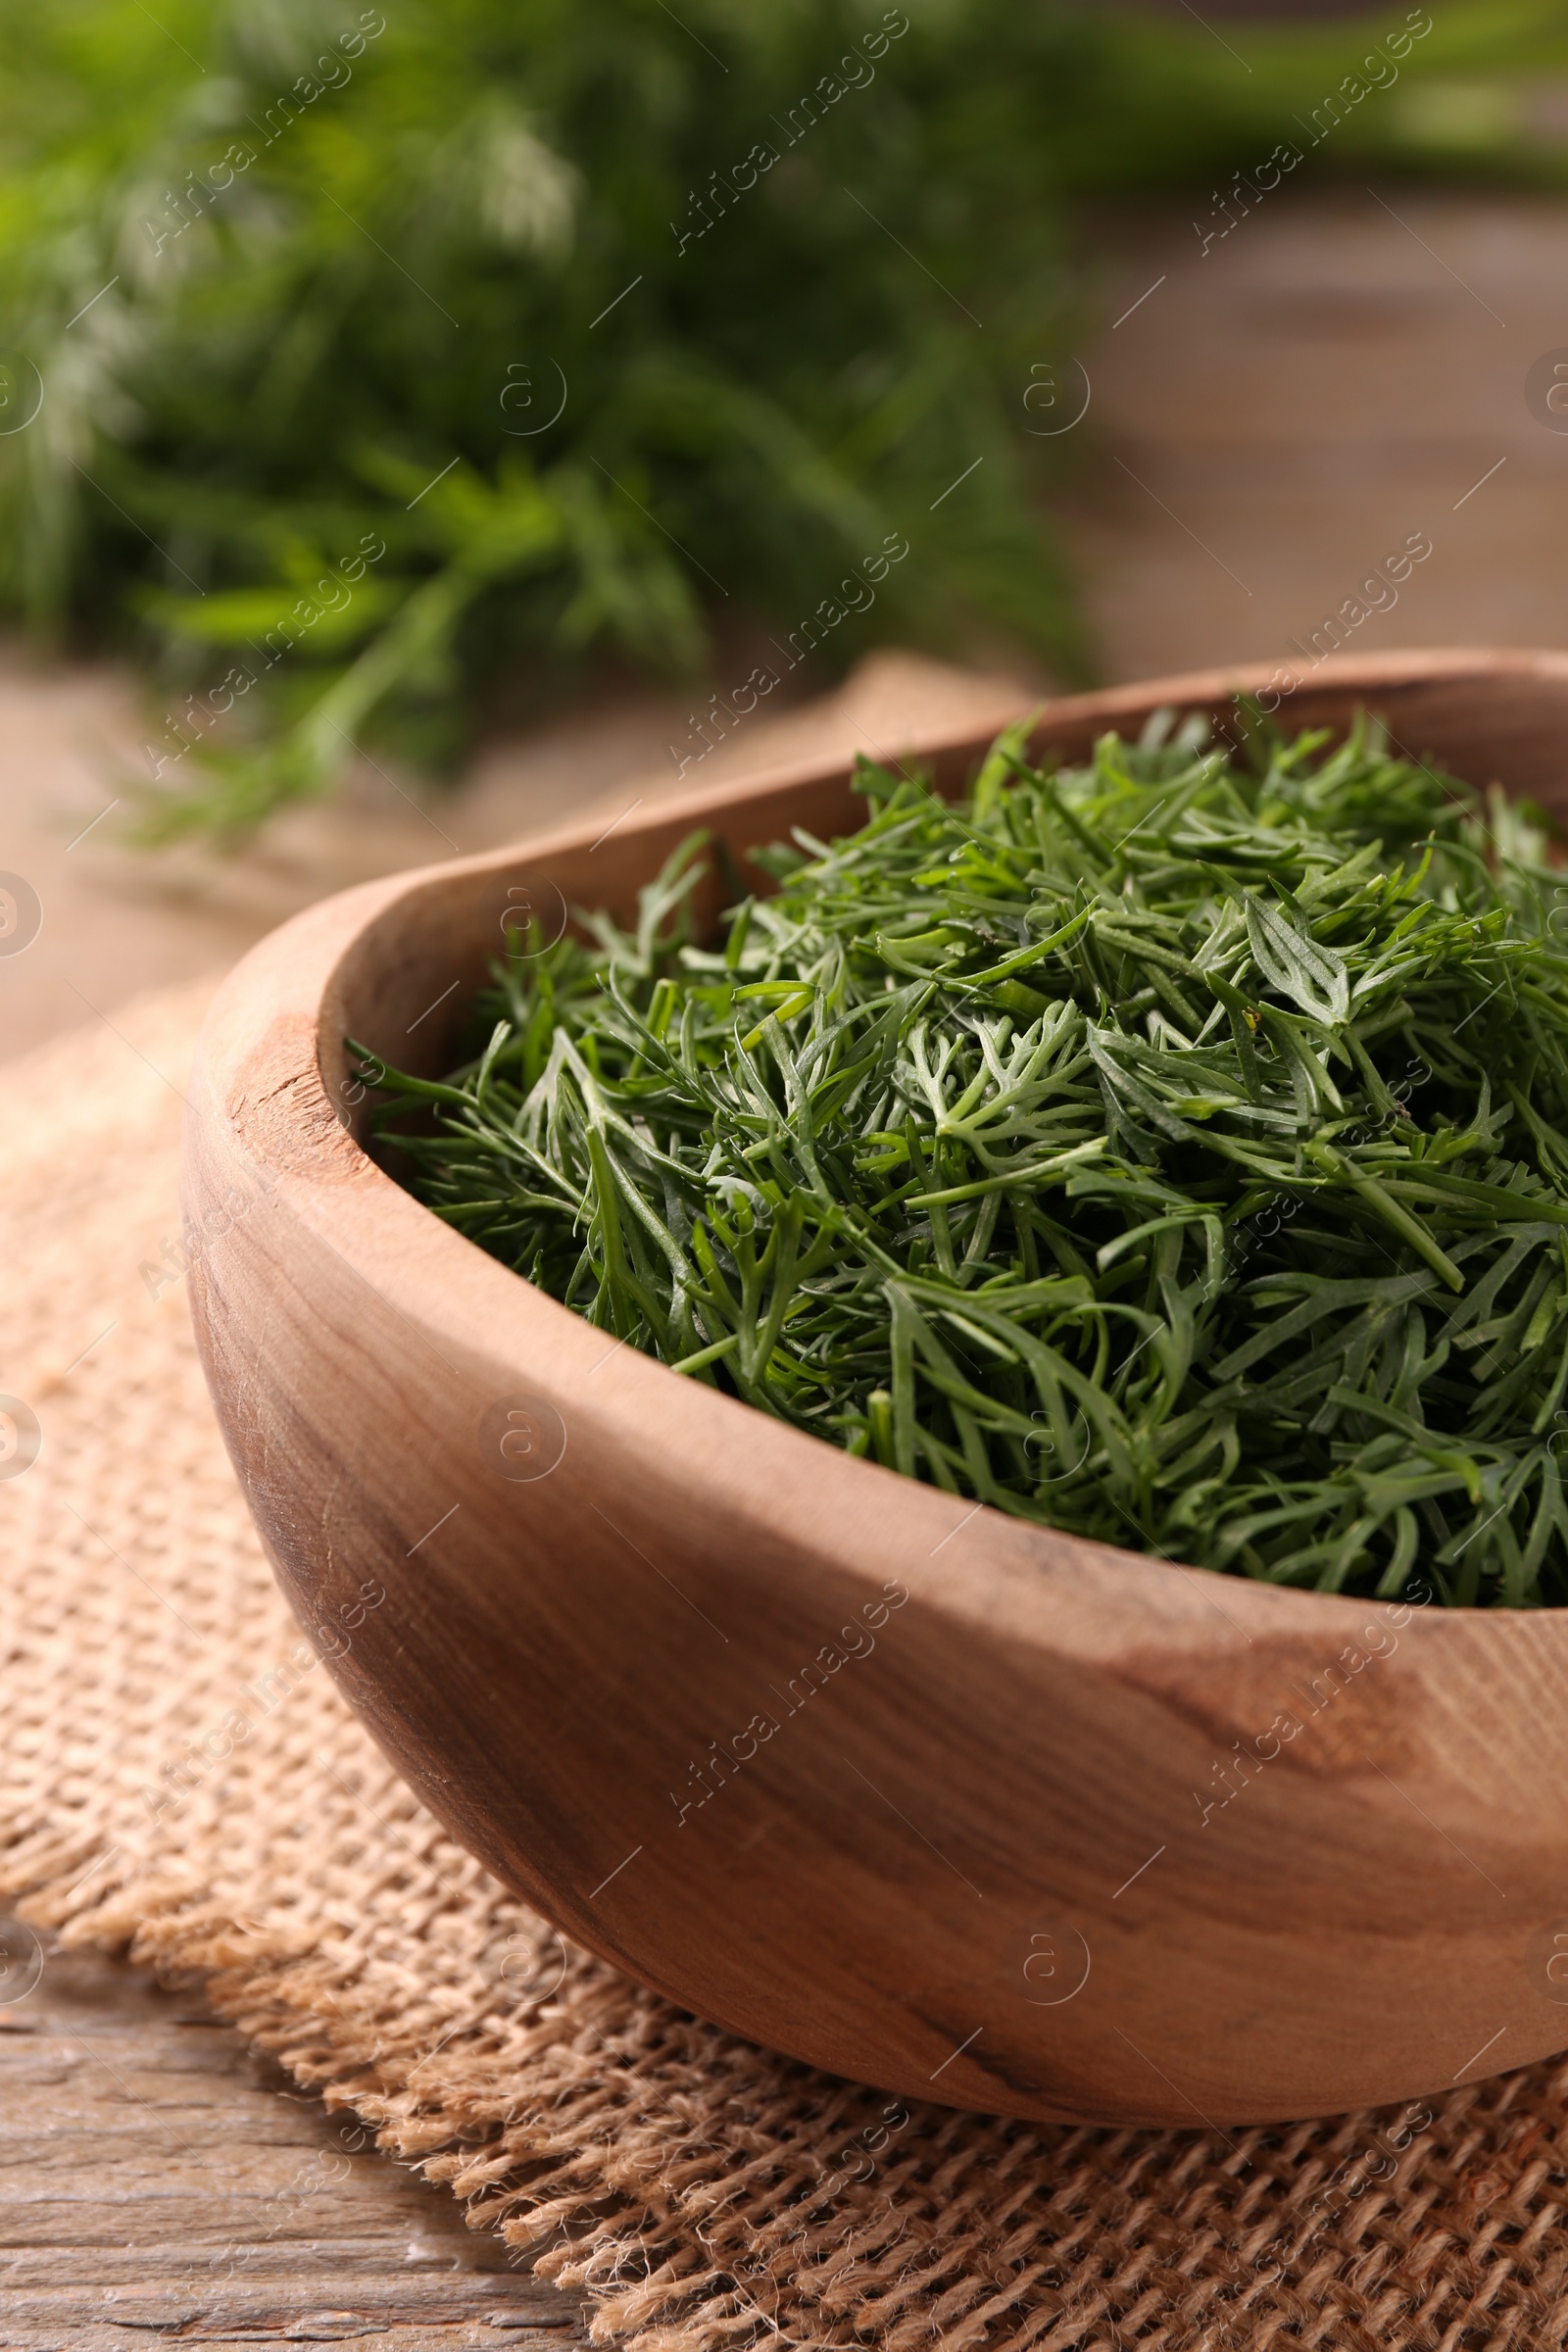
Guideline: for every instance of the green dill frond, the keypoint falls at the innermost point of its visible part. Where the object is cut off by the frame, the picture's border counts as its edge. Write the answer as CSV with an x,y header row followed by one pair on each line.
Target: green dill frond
x,y
1171,1149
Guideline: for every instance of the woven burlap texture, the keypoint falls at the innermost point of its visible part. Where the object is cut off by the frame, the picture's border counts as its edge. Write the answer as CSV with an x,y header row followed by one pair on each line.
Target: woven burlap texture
x,y
182,1779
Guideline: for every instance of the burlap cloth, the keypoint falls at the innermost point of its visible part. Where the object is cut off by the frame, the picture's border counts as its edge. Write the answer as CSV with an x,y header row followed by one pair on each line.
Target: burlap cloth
x,y
181,1781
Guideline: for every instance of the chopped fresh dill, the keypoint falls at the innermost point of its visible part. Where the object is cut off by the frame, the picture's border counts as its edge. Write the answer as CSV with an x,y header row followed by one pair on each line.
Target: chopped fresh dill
x,y
1172,1149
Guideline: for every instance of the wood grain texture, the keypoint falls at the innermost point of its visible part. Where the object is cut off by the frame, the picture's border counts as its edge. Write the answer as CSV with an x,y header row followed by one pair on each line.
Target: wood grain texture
x,y
968,1861
158,2182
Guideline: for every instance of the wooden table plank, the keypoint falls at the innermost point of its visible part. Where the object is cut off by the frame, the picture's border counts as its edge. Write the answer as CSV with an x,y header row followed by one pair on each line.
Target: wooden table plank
x,y
155,2178
1274,418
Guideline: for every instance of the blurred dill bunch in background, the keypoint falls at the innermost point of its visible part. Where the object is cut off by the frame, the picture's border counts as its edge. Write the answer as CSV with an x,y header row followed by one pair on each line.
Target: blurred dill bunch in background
x,y
366,373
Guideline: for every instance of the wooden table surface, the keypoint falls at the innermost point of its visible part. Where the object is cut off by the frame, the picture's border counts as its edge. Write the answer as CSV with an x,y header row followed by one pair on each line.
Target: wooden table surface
x,y
1274,416
155,2179
1270,419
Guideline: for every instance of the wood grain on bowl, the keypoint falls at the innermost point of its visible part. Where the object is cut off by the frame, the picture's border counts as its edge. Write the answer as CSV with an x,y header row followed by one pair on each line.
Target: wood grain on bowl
x,y
901,1786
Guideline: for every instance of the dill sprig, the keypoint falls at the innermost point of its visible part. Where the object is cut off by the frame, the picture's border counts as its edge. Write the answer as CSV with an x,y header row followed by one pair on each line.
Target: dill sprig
x,y
1172,1149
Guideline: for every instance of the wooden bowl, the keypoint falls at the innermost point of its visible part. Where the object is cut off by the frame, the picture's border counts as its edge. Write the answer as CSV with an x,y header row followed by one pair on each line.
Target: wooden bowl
x,y
906,1789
